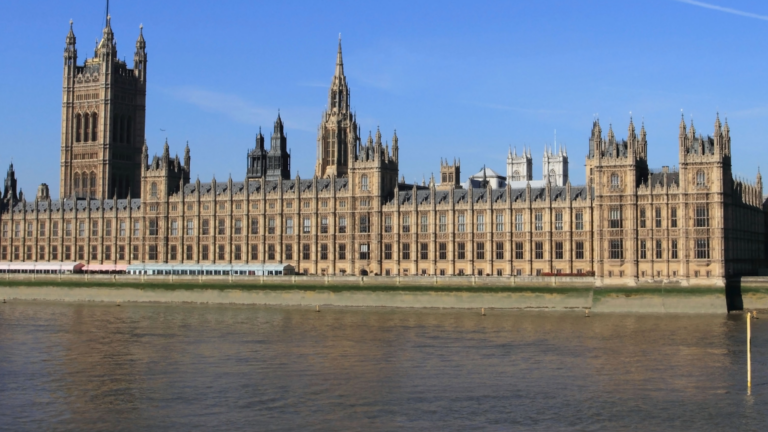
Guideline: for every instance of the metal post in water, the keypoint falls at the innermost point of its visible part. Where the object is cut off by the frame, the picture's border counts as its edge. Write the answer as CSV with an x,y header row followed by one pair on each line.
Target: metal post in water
x,y
317,308
482,311
749,351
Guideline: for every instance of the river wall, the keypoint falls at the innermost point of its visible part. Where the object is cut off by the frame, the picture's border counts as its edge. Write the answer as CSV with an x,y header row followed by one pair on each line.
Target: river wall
x,y
542,293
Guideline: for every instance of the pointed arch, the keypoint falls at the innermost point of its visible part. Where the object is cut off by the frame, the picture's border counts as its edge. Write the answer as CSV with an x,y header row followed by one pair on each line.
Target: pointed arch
x,y
76,183
93,184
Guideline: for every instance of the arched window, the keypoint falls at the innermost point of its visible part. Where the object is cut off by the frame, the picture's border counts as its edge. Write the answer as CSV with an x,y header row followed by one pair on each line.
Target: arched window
x,y
552,176
701,178
364,182
78,128
86,127
77,183
614,180
93,184
153,188
94,127
516,176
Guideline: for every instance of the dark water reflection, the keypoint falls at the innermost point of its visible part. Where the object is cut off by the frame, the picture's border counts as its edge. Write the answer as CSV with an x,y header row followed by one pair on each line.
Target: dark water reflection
x,y
185,367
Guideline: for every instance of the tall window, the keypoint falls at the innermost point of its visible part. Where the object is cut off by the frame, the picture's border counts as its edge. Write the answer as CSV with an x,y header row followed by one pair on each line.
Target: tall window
x,y
323,251
579,216
204,253
288,252
365,253
324,225
153,190
443,225
424,226
442,251
68,229
188,253
41,229
136,228
499,250
342,225
519,251
238,252
461,251
307,227
254,225
94,127
538,250
657,215
616,249
221,253
54,230
387,251
254,252
480,222
614,217
659,253
614,181
271,225
579,250
81,229
364,182
519,222
238,226
222,228
289,225
31,229
559,250
643,251
406,251
108,228
702,216
480,251
406,223
342,251
499,222
86,127
94,228
702,248
558,221
673,217
539,221
206,229
271,251
153,227
673,252
78,129
642,218
701,178
364,227
387,224
424,251
461,223
152,252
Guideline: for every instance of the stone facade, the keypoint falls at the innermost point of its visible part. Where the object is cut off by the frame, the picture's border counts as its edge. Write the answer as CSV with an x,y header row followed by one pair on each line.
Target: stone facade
x,y
354,216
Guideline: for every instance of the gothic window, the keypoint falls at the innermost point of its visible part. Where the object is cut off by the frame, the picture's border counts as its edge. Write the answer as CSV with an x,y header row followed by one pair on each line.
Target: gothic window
x,y
93,184
364,182
579,221
519,250
94,127
642,218
614,180
342,251
86,127
702,248
77,183
480,222
701,178
406,251
579,250
518,222
289,226
616,249
153,190
78,128
516,176
552,176
559,221
702,216
614,216
461,223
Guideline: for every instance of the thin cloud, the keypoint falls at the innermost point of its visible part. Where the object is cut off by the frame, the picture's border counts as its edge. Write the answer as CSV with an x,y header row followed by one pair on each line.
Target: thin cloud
x,y
724,9
233,106
518,109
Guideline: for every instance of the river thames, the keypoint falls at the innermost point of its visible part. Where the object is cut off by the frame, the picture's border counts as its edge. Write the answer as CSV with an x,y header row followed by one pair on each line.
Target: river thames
x,y
78,366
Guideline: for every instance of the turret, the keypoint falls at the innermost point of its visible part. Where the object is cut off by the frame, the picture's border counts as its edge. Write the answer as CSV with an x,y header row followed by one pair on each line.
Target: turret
x,y
187,158
395,148
9,190
140,57
70,53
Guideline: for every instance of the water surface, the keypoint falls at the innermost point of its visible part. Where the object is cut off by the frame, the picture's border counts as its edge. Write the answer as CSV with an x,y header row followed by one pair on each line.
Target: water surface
x,y
67,366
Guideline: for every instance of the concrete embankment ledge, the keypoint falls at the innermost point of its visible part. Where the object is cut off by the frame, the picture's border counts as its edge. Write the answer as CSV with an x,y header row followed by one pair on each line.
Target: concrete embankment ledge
x,y
544,293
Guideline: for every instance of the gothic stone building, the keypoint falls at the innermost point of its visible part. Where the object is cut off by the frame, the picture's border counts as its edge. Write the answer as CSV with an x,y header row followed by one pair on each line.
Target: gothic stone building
x,y
355,217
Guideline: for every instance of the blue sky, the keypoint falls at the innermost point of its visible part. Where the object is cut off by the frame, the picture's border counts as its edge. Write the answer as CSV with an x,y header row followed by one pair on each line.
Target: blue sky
x,y
456,79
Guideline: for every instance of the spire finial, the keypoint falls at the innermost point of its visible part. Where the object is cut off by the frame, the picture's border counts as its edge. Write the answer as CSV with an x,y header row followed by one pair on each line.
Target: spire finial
x,y
70,23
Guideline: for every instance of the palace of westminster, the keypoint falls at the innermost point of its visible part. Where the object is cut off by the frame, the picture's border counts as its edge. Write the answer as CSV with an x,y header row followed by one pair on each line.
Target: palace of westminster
x,y
118,206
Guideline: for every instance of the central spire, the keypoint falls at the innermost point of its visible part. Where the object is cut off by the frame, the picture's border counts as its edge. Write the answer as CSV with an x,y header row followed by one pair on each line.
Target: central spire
x,y
339,61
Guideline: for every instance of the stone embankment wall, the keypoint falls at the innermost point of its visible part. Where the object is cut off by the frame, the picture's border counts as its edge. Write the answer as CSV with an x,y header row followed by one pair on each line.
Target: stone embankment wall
x,y
542,293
